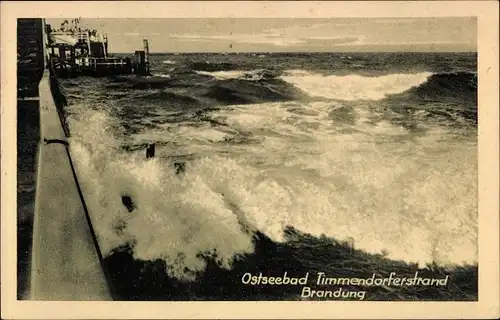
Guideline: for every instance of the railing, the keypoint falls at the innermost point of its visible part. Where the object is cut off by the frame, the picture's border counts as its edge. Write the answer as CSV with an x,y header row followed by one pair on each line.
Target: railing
x,y
107,61
83,36
77,34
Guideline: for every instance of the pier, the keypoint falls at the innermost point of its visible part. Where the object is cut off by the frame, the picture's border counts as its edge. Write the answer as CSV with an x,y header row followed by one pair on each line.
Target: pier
x,y
64,261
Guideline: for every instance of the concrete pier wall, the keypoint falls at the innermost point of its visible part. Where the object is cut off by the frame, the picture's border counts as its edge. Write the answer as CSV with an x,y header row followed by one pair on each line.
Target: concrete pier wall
x,y
66,262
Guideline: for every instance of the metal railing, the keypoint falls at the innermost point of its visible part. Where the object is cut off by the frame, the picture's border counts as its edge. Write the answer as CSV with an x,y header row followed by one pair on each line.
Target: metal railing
x,y
80,35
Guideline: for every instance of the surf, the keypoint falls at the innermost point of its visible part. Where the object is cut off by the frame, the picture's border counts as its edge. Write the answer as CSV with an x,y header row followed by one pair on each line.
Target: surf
x,y
269,166
353,87
248,75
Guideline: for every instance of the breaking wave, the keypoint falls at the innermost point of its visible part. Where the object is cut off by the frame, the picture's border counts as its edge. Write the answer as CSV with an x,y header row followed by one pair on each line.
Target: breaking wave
x,y
271,165
253,75
353,87
223,75
175,219
460,87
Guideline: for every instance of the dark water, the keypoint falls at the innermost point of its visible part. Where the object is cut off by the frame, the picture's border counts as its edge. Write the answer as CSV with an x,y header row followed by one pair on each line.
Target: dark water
x,y
348,164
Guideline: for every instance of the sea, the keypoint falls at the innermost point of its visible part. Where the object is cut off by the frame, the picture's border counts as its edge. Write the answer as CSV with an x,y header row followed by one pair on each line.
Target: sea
x,y
349,164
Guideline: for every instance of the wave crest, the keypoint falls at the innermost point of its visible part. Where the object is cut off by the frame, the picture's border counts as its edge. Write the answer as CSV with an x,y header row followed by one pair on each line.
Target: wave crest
x,y
253,75
353,87
175,219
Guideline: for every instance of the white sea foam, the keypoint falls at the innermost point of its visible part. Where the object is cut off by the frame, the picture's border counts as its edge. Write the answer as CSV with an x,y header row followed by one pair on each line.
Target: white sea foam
x,y
223,75
253,75
410,196
175,219
353,87
414,197
161,75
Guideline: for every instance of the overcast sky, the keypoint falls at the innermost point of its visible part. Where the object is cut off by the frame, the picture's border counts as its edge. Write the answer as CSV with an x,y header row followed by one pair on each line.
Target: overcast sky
x,y
285,34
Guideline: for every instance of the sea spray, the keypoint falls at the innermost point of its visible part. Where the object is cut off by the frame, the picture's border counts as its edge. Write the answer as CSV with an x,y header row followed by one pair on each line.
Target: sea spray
x,y
176,219
341,168
378,184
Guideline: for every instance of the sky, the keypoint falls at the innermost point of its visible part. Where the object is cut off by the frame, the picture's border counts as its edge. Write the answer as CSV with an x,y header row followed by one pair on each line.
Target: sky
x,y
454,34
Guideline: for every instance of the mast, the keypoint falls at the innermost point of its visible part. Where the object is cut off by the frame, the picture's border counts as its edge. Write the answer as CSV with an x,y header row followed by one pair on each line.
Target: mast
x,y
146,58
105,45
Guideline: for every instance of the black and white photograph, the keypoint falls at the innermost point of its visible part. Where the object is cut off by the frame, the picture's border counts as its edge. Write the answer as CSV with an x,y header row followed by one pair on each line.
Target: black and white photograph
x,y
249,159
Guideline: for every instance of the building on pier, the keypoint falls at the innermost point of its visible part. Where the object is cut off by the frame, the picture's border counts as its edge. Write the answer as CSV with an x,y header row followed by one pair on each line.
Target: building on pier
x,y
73,51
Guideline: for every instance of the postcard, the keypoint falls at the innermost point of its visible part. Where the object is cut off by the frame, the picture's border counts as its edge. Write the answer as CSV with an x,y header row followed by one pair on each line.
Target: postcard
x,y
250,160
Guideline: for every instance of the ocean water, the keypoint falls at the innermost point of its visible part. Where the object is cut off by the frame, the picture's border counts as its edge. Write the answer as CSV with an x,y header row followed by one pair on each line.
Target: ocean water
x,y
267,163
